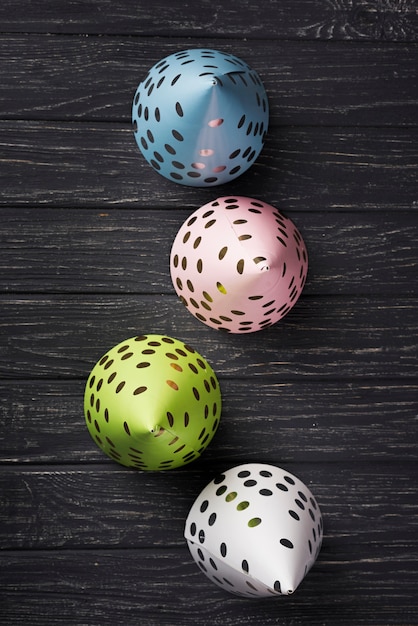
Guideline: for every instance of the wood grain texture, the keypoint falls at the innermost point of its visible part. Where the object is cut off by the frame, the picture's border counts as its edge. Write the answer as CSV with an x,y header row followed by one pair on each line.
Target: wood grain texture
x,y
104,587
63,336
99,165
123,508
128,251
94,79
288,19
305,421
330,393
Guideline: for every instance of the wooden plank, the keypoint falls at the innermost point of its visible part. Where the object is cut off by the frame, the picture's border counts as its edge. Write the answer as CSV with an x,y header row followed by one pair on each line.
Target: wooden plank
x,y
126,251
78,78
306,421
104,588
288,19
98,165
63,336
53,507
374,506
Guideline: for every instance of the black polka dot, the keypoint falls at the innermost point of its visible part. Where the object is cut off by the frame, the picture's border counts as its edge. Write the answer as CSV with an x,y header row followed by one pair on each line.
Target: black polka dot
x,y
201,536
247,582
212,519
193,529
286,543
289,480
282,487
204,506
235,153
250,483
169,149
222,252
177,135
240,266
243,474
266,492
223,549
294,515
154,343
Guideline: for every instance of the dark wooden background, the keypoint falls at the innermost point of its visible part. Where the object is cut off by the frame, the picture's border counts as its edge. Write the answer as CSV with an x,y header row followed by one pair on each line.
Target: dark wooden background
x,y
329,393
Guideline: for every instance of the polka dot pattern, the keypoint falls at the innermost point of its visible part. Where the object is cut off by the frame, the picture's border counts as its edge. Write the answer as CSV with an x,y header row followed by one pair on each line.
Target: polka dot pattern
x,y
248,270
193,89
125,420
246,520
